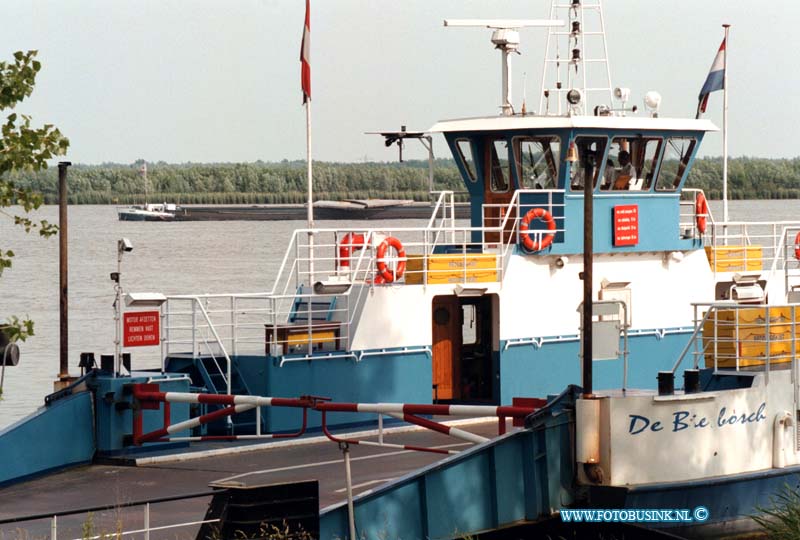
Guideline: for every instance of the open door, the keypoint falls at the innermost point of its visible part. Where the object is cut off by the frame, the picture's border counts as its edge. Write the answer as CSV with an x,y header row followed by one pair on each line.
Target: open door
x,y
462,348
446,347
497,189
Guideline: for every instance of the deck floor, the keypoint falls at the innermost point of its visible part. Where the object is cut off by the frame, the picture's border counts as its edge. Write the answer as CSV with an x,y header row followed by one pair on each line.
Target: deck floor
x,y
98,485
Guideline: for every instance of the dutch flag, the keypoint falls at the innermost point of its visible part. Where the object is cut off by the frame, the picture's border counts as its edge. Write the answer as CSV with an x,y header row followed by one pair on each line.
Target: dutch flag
x,y
305,56
715,80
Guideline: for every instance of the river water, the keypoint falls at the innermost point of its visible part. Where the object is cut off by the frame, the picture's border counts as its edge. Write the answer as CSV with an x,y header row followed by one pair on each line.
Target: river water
x,y
173,258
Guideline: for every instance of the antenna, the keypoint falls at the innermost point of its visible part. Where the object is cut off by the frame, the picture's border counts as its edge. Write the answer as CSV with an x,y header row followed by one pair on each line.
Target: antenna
x,y
506,38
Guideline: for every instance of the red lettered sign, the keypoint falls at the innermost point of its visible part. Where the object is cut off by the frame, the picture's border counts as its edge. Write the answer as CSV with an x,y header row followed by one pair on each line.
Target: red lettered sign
x,y
140,328
626,225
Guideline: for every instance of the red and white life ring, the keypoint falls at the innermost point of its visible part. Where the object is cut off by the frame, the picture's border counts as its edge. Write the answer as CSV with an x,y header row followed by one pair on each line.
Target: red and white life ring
x,y
350,242
527,239
383,269
797,246
701,210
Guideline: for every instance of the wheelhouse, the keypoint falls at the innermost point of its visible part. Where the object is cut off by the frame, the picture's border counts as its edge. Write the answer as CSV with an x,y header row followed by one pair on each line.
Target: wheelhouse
x,y
545,161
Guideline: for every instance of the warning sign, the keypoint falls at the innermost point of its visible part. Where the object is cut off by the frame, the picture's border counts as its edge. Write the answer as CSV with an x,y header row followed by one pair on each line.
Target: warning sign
x,y
626,225
140,328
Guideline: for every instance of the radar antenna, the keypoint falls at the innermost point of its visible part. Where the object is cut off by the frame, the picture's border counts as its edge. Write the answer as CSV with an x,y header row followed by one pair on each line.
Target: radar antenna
x,y
583,21
506,38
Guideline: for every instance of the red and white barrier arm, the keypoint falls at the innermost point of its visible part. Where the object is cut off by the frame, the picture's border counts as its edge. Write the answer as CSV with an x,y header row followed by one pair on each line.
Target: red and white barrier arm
x,y
218,399
441,428
442,410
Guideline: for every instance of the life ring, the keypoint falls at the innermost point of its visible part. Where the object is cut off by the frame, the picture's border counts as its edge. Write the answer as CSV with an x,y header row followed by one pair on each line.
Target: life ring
x,y
701,209
797,246
527,239
350,242
383,270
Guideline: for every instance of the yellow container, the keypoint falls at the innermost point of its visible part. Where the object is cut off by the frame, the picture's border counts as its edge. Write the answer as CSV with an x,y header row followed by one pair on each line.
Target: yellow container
x,y
734,258
742,333
452,268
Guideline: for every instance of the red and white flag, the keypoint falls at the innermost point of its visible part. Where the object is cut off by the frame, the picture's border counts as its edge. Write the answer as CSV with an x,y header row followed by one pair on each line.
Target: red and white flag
x,y
305,56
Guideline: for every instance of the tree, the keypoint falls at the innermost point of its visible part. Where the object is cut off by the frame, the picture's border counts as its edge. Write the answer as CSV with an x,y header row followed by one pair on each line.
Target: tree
x,y
22,148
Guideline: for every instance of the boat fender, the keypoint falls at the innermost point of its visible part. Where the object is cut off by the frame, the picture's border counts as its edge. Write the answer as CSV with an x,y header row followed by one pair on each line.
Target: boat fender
x,y
350,242
782,440
701,210
797,246
527,239
383,270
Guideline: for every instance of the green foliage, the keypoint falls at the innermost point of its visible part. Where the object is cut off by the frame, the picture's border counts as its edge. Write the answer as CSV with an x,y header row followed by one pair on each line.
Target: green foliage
x,y
243,183
22,148
285,182
781,521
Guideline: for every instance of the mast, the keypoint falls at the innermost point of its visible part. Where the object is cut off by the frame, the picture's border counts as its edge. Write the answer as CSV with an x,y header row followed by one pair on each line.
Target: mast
x,y
562,74
505,36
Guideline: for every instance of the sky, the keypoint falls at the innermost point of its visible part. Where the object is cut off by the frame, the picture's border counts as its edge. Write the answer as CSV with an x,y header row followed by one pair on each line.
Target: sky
x,y
219,81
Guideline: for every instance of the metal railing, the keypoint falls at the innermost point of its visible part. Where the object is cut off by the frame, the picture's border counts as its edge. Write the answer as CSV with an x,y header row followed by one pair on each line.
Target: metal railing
x,y
91,526
312,308
731,336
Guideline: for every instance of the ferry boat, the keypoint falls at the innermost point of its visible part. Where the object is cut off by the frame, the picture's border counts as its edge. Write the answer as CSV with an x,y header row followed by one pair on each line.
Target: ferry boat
x,y
489,311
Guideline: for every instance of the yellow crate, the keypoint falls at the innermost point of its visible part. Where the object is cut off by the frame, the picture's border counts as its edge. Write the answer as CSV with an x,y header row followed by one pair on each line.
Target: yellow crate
x,y
734,258
742,333
447,268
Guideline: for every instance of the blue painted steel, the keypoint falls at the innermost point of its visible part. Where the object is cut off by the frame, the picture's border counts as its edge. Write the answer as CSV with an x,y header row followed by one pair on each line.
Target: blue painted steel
x,y
114,423
388,377
515,478
528,371
731,500
658,215
54,437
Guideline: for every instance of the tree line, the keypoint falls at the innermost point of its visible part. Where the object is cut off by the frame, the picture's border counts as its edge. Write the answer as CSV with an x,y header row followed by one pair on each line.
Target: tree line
x,y
285,182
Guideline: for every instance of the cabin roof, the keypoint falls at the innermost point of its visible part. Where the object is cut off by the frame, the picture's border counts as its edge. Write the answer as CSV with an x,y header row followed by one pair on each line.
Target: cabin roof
x,y
508,123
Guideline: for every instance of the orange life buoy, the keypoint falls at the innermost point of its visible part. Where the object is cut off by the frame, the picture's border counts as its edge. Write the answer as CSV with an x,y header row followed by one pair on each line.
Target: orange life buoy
x,y
527,239
797,246
350,242
701,209
383,270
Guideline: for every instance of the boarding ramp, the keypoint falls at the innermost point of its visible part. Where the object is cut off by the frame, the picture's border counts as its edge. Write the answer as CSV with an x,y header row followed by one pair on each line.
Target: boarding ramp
x,y
521,477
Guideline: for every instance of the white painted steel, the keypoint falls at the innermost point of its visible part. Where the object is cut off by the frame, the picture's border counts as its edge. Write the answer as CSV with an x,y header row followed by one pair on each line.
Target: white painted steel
x,y
675,453
495,123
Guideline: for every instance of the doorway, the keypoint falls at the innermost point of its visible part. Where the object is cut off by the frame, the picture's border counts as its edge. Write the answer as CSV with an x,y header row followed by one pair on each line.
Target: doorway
x,y
463,331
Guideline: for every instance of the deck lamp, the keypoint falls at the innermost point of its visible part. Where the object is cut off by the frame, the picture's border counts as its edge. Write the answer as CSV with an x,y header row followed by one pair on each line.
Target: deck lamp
x,y
652,101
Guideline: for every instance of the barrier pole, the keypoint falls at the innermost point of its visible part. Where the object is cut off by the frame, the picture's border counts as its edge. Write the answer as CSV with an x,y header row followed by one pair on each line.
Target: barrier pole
x,y
345,448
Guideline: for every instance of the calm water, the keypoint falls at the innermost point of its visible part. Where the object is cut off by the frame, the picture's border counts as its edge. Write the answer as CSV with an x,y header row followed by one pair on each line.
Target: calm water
x,y
173,258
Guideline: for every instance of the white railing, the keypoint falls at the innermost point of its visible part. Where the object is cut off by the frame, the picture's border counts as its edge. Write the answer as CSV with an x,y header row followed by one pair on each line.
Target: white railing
x,y
732,336
312,307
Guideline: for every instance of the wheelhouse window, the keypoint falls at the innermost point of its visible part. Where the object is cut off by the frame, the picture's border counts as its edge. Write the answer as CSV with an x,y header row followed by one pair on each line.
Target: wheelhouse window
x,y
498,166
537,160
591,151
630,163
677,152
464,148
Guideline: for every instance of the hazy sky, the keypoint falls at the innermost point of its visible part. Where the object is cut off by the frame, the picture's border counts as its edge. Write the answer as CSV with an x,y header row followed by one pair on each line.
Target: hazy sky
x,y
202,80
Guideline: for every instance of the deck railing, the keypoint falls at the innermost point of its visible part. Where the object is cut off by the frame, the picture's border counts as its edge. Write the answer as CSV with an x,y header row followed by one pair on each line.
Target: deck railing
x,y
326,274
740,337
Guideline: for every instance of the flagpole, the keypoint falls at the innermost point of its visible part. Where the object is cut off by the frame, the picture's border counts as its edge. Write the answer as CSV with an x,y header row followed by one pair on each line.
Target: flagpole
x,y
725,128
310,212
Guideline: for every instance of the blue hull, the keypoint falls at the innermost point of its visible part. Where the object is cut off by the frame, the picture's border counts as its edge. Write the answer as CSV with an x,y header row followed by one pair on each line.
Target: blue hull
x,y
731,500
